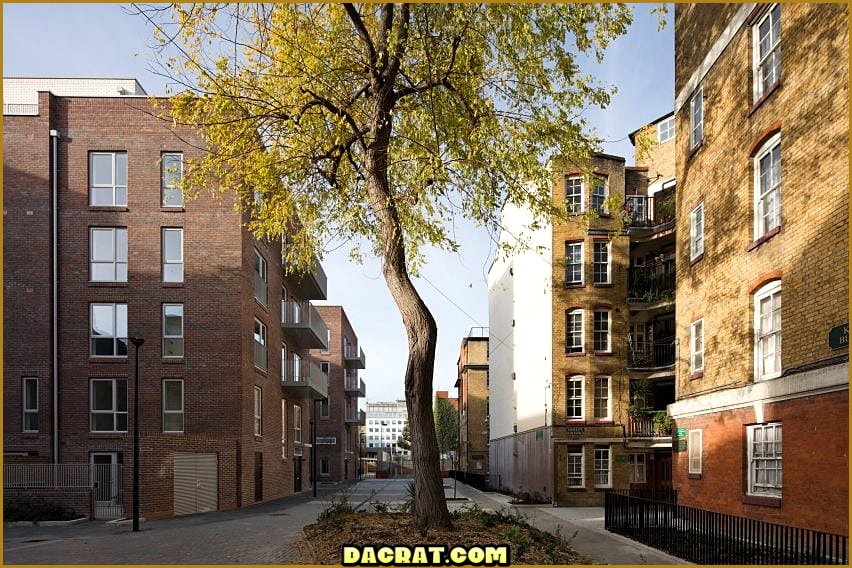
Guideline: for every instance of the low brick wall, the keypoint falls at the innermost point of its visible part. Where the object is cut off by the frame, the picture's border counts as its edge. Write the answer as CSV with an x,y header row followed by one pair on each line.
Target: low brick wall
x,y
79,500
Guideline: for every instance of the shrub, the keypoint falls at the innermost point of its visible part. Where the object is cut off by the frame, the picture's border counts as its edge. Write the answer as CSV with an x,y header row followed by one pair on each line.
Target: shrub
x,y
35,509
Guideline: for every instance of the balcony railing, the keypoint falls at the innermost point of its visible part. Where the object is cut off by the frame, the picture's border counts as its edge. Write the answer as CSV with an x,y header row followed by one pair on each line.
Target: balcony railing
x,y
651,283
303,325
354,357
310,283
359,417
650,354
20,109
303,377
355,387
650,211
642,426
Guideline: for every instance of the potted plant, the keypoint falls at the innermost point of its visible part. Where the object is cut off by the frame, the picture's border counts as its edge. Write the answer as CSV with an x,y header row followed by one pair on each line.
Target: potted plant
x,y
662,423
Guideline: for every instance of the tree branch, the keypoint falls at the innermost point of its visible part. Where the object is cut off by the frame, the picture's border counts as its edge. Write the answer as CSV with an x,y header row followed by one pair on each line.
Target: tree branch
x,y
362,32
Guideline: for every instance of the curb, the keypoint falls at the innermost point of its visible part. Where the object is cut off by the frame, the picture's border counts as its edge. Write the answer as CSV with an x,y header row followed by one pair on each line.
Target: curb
x,y
46,523
308,546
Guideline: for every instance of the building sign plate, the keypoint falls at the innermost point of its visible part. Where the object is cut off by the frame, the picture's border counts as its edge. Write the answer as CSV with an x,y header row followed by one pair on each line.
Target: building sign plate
x,y
838,337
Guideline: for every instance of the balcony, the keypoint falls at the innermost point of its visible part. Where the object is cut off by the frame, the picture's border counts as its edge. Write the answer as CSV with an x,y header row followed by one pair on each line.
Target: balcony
x,y
650,212
651,354
302,324
309,283
642,424
304,379
359,417
651,284
355,387
354,357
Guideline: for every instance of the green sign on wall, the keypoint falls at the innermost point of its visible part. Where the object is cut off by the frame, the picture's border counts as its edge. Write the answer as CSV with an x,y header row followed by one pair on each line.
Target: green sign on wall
x,y
838,337
539,435
621,458
681,432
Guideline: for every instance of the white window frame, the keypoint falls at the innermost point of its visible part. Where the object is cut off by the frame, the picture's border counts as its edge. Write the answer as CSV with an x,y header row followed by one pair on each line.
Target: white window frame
x,y
696,231
774,51
261,275
172,411
694,353
575,380
570,348
666,130
285,425
596,178
297,424
695,452
596,263
171,190
29,407
608,470
598,331
637,468
768,292
116,261
596,398
117,334
114,411
569,477
570,253
697,101
258,411
169,262
297,367
769,452
578,187
260,338
114,186
176,339
760,194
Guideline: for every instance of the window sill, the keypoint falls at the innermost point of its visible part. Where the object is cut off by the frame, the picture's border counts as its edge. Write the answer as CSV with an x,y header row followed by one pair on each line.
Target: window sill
x,y
575,489
100,284
575,422
766,95
580,285
602,284
122,360
261,304
263,372
696,260
694,476
695,149
172,284
763,239
696,376
165,209
112,208
762,500
604,353
575,354
172,360
170,433
107,434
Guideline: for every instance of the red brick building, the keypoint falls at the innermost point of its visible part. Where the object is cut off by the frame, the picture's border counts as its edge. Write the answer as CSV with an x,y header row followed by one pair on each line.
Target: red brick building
x,y
762,215
337,426
222,415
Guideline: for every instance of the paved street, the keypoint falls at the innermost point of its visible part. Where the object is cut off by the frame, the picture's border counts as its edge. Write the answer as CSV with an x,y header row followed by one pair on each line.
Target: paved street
x,y
267,533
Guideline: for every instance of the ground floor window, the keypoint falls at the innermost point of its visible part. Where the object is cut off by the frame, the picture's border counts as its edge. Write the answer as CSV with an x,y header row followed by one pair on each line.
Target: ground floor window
x,y
325,466
602,466
637,468
764,456
575,467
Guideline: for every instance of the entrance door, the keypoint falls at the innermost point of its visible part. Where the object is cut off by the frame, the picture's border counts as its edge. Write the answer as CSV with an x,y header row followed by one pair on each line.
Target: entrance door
x,y
663,472
196,486
258,476
106,485
297,474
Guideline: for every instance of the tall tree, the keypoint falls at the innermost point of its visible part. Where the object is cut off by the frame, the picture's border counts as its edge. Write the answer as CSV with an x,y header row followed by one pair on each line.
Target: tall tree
x,y
404,441
446,425
380,124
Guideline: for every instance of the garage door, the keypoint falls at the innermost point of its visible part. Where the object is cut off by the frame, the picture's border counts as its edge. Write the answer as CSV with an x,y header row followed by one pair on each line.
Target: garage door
x,y
196,483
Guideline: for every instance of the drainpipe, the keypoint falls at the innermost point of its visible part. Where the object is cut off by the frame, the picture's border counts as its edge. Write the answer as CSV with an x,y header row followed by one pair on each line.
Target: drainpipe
x,y
54,138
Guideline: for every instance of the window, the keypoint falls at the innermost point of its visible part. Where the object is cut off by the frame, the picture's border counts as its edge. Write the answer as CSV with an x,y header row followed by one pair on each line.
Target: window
x,y
108,405
764,459
637,337
297,424
172,330
108,254
173,405
666,130
108,330
30,400
172,255
574,387
696,119
767,187
260,278
575,467
574,331
600,188
636,464
325,404
602,331
171,176
602,398
108,179
767,331
601,262
696,232
327,342
297,367
696,343
284,426
602,466
766,38
325,466
573,263
260,344
693,447
574,194
258,411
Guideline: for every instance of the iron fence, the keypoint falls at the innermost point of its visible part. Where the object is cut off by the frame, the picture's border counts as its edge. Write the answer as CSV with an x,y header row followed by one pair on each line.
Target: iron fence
x,y
651,354
708,537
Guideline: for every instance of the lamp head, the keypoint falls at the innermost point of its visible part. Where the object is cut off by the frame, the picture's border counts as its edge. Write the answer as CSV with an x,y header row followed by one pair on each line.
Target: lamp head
x,y
137,341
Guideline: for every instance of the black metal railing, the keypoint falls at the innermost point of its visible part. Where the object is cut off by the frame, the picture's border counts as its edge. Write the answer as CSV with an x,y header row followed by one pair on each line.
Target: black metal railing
x,y
651,283
651,354
645,211
708,537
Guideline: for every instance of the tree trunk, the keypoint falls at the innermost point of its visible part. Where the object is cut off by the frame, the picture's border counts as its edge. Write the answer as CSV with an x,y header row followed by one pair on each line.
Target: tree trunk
x,y
430,506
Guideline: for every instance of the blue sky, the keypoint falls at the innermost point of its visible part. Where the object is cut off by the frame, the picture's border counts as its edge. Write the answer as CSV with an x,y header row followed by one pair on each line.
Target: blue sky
x,y
100,40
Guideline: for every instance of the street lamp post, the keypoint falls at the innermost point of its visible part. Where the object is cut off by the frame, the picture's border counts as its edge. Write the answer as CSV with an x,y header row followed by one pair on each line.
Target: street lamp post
x,y
137,342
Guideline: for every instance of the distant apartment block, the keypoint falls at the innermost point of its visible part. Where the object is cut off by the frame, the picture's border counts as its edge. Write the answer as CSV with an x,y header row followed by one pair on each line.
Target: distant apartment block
x,y
385,422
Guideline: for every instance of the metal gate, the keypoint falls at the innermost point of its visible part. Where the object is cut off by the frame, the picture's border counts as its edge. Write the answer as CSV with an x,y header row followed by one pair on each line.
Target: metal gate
x,y
107,484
